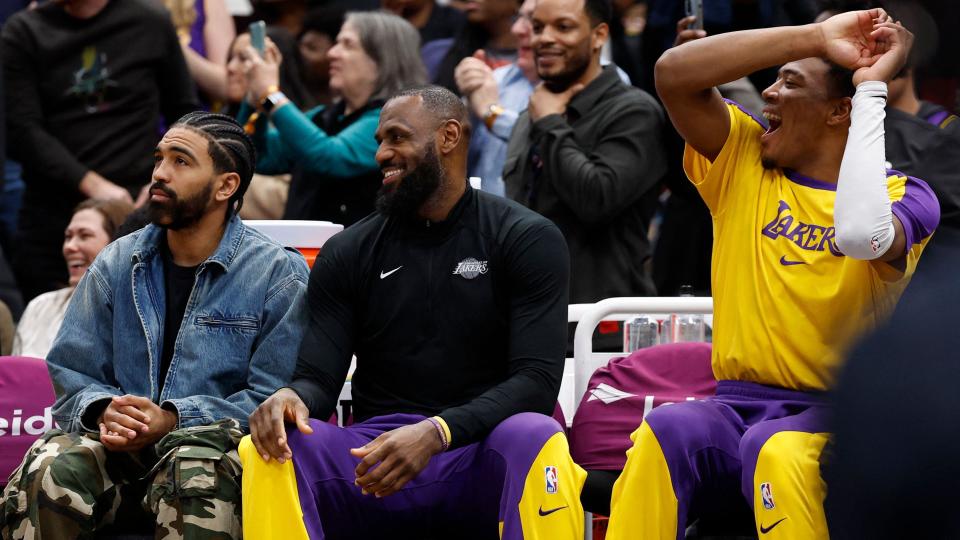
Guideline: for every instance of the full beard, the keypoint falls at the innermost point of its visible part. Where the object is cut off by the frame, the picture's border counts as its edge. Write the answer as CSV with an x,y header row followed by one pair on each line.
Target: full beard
x,y
177,214
405,199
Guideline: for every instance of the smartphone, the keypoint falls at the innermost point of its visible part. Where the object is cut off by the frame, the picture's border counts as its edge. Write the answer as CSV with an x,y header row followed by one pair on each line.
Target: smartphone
x,y
695,8
258,35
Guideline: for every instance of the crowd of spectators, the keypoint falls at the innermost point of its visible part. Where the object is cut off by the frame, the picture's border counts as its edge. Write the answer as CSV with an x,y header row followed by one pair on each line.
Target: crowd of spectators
x,y
575,133
84,126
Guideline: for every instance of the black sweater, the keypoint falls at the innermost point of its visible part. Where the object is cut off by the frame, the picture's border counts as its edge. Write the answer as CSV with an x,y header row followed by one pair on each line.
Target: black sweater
x,y
87,94
464,318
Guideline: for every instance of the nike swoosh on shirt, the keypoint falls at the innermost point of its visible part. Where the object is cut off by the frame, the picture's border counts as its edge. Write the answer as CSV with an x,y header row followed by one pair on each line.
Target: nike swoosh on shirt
x,y
785,262
765,530
385,274
548,512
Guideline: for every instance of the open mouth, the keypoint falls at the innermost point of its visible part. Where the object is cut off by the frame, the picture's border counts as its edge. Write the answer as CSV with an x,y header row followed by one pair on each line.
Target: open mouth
x,y
773,120
76,266
548,55
391,174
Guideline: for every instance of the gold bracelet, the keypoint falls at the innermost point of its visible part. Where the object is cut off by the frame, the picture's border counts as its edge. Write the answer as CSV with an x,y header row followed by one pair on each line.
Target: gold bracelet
x,y
270,89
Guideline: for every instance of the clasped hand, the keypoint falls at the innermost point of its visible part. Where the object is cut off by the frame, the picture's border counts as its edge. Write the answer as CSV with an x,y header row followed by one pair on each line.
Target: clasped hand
x,y
868,42
131,423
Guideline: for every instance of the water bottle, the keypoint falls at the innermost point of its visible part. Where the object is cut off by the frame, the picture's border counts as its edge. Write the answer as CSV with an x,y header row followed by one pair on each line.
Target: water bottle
x,y
639,332
683,328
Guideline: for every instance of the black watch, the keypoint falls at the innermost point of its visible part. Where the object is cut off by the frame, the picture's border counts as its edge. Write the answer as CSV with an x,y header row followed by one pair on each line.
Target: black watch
x,y
271,101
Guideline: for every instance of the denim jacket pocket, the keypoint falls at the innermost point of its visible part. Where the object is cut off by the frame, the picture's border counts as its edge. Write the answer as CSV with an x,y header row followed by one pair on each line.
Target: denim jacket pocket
x,y
240,323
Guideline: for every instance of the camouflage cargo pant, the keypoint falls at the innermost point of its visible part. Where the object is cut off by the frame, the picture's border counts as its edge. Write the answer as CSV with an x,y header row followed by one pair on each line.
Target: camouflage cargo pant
x,y
70,486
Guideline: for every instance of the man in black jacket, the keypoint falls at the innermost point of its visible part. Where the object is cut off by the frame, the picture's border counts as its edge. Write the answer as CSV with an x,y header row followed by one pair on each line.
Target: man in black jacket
x,y
454,302
86,84
587,153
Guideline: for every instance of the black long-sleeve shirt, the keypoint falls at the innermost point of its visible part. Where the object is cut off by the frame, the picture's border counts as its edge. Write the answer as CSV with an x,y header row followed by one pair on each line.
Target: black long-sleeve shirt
x,y
87,94
465,319
593,172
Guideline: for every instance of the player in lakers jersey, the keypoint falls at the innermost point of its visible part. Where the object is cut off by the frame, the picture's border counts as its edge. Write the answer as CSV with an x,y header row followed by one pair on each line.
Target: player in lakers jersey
x,y
814,241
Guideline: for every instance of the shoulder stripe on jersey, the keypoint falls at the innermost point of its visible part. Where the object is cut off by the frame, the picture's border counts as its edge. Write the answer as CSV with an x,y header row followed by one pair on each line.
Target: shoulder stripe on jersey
x,y
746,112
918,209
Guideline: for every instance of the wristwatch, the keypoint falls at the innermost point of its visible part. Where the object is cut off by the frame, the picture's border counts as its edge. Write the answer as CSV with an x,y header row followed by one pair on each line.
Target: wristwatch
x,y
493,111
272,100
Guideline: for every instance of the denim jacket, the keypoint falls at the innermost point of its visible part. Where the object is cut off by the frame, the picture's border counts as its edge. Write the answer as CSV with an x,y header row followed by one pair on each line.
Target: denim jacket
x,y
237,344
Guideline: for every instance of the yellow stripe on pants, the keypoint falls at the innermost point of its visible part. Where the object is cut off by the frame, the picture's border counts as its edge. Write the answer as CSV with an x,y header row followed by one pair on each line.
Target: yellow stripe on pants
x,y
271,502
789,463
552,516
643,505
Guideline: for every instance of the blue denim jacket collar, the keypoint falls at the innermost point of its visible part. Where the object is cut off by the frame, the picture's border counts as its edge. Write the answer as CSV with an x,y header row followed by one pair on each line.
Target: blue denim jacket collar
x,y
148,244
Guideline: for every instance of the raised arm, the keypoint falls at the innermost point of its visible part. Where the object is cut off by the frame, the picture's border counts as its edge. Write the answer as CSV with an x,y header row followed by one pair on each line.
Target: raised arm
x,y
210,72
867,226
686,75
296,139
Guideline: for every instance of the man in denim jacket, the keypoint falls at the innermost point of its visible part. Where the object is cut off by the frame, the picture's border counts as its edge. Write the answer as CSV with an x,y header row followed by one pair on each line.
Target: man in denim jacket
x,y
173,337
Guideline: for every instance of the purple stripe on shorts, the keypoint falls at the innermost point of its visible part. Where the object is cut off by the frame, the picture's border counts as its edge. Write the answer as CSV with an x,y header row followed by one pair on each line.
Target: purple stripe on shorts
x,y
918,210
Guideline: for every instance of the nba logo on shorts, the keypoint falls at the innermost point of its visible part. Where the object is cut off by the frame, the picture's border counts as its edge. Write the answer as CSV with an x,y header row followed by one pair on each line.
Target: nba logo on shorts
x,y
767,495
553,482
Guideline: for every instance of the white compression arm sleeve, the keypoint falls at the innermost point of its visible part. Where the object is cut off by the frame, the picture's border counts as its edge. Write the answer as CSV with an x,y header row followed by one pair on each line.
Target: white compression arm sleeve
x,y
861,212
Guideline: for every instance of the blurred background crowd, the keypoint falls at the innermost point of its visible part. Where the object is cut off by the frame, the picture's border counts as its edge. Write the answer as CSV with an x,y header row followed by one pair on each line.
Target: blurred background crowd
x,y
89,85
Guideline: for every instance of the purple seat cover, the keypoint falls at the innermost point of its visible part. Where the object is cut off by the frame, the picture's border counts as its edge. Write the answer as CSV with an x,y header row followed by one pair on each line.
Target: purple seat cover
x,y
26,396
620,394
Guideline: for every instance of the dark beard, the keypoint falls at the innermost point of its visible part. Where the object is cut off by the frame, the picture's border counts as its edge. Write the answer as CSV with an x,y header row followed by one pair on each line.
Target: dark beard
x,y
768,163
406,198
181,214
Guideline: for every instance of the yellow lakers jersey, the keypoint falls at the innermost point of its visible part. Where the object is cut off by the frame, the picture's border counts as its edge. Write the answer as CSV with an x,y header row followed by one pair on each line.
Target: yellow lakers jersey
x,y
787,302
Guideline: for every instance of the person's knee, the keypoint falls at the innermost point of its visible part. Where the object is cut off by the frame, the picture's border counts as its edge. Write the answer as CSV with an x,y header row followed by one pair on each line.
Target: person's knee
x,y
533,428
784,451
682,425
67,469
790,457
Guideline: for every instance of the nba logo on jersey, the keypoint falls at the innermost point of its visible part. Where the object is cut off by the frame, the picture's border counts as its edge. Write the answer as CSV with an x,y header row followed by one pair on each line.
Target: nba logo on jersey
x,y
767,495
553,482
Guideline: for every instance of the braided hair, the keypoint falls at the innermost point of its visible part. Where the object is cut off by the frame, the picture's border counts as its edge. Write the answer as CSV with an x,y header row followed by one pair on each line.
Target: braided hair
x,y
230,148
